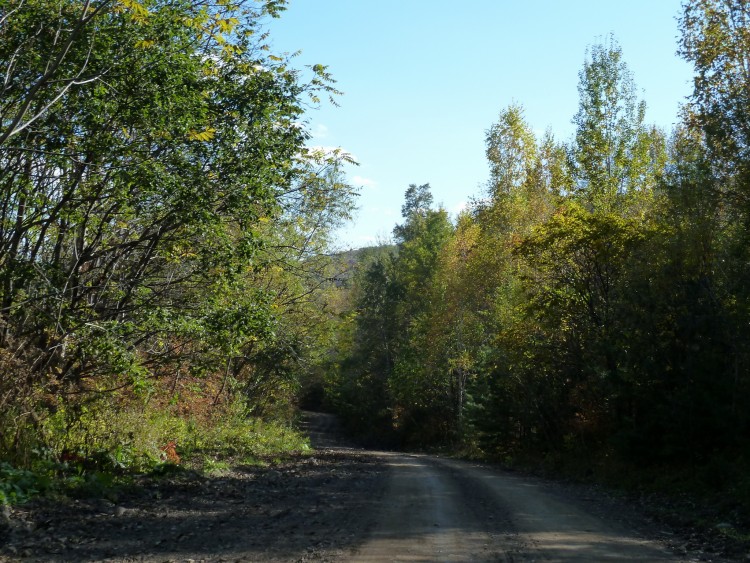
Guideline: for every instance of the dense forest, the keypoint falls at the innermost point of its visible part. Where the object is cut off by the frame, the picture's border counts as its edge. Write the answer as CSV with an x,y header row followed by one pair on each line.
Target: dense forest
x,y
592,306
166,274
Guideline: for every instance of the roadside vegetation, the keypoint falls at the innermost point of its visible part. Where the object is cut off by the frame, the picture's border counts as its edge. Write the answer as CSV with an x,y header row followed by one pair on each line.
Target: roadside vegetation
x,y
163,238
589,313
157,445
168,295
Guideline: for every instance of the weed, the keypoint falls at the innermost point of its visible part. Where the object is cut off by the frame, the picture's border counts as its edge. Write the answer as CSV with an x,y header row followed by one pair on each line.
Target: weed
x,y
19,485
93,450
211,465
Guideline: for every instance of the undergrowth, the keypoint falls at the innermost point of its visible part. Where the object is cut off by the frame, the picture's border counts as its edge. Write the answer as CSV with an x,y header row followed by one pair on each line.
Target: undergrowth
x,y
95,450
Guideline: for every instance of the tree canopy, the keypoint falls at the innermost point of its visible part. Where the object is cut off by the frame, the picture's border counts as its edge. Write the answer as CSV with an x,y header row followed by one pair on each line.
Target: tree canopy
x,y
590,308
160,214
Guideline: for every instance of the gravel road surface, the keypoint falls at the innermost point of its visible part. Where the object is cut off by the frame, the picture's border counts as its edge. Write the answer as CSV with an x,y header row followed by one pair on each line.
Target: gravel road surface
x,y
443,510
343,504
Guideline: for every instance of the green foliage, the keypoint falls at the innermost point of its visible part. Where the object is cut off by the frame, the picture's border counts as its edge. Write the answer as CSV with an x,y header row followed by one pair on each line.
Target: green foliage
x,y
592,310
108,438
715,39
239,435
97,452
380,383
19,485
612,151
358,382
511,151
161,218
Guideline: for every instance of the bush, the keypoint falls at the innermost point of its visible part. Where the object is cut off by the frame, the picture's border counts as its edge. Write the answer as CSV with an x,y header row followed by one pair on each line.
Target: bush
x,y
107,437
18,485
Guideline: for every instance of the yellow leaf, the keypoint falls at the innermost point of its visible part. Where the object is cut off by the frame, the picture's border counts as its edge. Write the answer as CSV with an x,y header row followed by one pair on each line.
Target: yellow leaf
x,y
139,11
227,25
205,135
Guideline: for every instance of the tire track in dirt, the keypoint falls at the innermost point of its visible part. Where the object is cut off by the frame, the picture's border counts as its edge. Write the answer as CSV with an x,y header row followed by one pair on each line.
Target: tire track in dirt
x,y
338,504
424,516
436,509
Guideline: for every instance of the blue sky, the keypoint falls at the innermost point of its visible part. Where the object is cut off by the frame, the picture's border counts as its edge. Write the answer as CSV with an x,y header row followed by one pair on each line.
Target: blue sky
x,y
424,79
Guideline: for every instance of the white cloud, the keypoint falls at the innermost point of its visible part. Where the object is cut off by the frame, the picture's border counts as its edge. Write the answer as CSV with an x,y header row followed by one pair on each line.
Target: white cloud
x,y
459,207
320,131
365,182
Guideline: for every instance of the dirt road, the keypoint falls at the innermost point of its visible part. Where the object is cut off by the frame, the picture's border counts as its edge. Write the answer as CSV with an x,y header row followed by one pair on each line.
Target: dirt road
x,y
436,509
440,510
340,504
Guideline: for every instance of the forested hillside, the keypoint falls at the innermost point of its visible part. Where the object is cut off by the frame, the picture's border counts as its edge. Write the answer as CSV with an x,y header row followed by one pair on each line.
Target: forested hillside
x,y
592,306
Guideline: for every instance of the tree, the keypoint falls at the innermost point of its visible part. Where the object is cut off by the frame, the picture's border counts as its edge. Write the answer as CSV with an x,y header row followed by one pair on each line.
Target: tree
x,y
147,149
387,379
417,204
511,151
712,187
611,150
715,39
365,347
417,390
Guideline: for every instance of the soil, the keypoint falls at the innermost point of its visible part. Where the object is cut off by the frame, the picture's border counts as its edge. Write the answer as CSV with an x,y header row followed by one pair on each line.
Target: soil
x,y
346,504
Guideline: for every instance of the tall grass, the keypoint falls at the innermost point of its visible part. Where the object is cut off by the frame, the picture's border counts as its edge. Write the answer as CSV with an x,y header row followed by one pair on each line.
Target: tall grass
x,y
99,441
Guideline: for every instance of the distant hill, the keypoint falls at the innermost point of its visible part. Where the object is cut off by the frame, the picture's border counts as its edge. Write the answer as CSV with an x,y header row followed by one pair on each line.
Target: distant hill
x,y
348,261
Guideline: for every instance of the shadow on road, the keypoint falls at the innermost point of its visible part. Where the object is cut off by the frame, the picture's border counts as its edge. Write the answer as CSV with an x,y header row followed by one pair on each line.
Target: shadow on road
x,y
324,430
339,503
307,507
